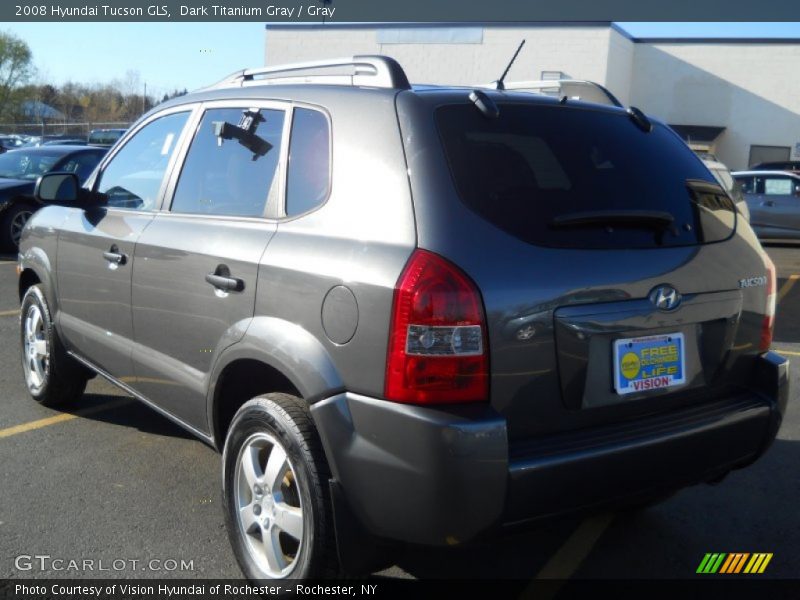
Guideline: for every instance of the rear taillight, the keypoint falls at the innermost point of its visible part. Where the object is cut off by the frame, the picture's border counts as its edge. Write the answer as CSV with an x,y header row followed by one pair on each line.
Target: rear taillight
x,y
768,324
437,341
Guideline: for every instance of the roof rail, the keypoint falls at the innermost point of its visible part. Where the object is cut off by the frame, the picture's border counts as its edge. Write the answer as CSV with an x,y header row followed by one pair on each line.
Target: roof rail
x,y
560,86
367,70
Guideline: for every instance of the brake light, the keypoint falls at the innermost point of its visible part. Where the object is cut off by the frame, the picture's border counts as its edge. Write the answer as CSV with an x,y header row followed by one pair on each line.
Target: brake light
x,y
768,324
437,341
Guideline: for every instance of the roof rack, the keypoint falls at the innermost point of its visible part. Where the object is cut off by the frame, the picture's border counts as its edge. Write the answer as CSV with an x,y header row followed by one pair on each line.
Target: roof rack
x,y
559,87
361,70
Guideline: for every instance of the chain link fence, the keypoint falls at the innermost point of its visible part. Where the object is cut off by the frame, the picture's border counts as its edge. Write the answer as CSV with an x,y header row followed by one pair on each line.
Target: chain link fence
x,y
72,130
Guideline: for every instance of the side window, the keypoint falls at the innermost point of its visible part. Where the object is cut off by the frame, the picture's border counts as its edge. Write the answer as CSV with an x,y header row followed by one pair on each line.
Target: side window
x,y
778,186
225,175
308,179
748,184
133,177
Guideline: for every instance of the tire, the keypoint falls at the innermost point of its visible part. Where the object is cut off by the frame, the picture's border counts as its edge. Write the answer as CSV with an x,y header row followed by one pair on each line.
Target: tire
x,y
273,439
51,375
14,220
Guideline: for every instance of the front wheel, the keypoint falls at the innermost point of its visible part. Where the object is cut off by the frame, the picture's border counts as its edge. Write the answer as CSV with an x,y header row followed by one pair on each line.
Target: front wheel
x,y
275,491
13,223
52,376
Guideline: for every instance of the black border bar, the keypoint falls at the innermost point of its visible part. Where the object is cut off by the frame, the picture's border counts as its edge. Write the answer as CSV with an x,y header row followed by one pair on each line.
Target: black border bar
x,y
395,11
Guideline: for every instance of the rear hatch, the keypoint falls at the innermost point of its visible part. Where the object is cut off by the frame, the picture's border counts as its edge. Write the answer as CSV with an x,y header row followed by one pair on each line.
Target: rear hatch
x,y
607,255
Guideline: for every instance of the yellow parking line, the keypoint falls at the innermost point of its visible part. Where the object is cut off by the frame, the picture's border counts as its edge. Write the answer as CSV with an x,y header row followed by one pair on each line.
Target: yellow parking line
x,y
32,425
8,313
788,285
567,559
789,352
8,262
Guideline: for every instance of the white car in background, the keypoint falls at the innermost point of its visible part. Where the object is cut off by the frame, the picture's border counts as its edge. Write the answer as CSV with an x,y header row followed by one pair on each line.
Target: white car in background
x,y
774,201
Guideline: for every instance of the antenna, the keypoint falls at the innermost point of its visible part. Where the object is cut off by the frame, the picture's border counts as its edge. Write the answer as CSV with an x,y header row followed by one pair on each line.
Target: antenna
x,y
499,83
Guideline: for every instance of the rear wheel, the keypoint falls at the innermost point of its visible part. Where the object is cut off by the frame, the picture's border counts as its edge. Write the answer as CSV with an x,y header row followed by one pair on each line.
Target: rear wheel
x,y
276,497
51,375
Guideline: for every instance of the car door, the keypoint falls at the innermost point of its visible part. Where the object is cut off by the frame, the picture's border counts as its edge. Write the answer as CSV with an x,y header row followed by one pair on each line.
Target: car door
x,y
96,246
196,264
780,204
753,188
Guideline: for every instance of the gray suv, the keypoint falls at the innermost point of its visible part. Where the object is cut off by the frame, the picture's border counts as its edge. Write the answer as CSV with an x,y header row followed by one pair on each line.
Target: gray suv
x,y
405,314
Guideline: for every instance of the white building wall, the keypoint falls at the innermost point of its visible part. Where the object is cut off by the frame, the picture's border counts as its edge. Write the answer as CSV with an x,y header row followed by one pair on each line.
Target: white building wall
x,y
580,52
619,66
750,89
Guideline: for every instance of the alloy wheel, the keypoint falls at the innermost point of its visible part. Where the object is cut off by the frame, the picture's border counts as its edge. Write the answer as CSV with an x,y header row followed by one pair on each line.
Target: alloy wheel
x,y
268,505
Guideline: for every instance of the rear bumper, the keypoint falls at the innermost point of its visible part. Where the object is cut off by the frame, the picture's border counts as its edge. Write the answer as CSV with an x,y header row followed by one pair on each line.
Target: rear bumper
x,y
444,476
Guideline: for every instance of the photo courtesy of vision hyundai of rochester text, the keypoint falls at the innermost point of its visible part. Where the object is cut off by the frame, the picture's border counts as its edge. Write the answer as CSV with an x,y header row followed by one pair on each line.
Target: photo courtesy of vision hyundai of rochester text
x,y
409,314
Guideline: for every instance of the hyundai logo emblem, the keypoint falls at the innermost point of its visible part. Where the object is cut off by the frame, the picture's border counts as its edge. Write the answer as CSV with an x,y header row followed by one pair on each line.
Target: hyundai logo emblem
x,y
665,297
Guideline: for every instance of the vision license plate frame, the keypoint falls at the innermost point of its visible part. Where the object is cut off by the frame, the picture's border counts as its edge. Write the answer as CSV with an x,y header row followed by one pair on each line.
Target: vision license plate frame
x,y
649,363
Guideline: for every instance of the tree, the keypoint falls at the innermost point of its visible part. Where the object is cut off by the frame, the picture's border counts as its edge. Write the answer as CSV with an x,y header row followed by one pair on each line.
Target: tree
x,y
16,67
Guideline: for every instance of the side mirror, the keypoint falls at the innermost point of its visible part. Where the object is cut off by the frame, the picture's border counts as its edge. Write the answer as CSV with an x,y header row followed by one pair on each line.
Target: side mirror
x,y
63,189
57,188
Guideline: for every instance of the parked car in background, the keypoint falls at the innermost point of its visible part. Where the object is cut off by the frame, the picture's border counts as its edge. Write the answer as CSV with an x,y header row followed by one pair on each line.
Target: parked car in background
x,y
19,170
728,183
65,142
9,142
105,137
38,140
784,165
774,201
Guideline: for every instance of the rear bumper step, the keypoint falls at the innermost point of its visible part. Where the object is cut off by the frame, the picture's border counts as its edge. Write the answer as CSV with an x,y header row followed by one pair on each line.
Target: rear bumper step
x,y
576,472
580,470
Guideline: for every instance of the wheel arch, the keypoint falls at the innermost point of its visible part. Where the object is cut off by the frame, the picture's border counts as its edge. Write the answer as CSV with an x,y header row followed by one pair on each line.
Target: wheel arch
x,y
273,356
35,268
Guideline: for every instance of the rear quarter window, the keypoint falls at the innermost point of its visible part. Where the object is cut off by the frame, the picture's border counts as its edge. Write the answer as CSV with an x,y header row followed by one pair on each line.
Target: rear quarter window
x,y
536,164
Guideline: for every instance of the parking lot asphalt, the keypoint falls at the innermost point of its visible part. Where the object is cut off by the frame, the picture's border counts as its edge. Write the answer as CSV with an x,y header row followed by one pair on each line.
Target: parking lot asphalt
x,y
112,482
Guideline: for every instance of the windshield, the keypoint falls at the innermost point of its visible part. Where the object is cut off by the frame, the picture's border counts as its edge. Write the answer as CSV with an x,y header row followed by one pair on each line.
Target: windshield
x,y
538,167
20,164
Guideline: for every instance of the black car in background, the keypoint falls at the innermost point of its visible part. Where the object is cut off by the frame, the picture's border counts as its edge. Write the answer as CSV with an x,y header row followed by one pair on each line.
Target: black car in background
x,y
19,170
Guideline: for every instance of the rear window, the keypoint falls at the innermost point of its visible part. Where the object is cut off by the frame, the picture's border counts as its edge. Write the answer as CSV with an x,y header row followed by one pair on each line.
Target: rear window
x,y
574,177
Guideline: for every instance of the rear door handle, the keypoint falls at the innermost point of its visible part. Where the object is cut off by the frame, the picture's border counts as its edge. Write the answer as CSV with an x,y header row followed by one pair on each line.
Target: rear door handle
x,y
222,280
768,203
114,256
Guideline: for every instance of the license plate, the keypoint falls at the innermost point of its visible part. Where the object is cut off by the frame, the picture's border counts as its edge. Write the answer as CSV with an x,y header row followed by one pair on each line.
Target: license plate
x,y
649,363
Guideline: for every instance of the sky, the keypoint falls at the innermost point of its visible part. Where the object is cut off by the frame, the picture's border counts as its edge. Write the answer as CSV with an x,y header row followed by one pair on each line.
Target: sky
x,y
169,56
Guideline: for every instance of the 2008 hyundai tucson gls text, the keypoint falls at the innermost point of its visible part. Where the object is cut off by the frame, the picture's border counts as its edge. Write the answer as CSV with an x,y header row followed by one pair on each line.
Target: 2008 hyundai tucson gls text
x,y
407,314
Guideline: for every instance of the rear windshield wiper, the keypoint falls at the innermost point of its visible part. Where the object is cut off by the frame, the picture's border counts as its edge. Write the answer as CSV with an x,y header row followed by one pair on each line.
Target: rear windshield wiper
x,y
648,218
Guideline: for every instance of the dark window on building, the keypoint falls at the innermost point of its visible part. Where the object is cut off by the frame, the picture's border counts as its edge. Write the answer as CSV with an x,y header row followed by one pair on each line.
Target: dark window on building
x,y
764,154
